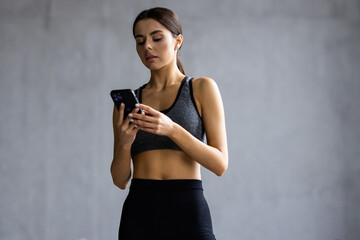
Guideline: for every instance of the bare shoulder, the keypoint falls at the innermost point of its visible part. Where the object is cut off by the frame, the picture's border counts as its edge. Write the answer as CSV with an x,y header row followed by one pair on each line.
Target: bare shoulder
x,y
204,86
203,82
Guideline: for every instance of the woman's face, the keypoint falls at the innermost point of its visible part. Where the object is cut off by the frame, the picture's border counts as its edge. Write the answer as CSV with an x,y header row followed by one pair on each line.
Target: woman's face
x,y
155,44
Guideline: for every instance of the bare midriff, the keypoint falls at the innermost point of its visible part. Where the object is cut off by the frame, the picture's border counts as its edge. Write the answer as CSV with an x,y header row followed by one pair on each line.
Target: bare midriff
x,y
164,165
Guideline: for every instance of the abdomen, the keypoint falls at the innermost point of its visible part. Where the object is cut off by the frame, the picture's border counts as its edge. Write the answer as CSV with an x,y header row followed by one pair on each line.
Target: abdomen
x,y
165,164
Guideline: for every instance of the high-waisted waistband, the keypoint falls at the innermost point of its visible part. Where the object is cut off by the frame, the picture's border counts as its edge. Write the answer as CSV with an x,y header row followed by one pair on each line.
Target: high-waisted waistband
x,y
154,184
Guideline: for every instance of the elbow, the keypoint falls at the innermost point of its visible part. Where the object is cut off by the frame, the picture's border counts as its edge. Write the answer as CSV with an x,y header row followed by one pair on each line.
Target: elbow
x,y
219,172
122,186
221,169
120,183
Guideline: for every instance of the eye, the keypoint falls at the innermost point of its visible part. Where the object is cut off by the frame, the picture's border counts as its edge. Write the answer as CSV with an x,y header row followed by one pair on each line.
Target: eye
x,y
140,43
157,39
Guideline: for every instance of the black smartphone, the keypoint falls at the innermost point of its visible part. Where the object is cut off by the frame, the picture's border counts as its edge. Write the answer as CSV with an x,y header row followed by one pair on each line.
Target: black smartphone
x,y
126,96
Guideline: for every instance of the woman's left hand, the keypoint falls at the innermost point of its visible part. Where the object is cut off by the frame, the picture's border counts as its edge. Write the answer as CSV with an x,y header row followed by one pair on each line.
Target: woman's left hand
x,y
153,121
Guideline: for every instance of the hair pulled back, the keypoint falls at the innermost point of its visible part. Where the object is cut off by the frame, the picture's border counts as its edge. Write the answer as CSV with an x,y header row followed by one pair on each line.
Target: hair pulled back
x,y
168,19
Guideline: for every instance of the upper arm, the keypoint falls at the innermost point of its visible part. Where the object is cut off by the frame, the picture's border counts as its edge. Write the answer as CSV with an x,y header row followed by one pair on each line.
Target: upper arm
x,y
209,102
115,117
115,121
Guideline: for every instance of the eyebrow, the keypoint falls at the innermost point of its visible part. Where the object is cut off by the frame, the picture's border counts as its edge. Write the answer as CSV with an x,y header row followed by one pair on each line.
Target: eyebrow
x,y
152,33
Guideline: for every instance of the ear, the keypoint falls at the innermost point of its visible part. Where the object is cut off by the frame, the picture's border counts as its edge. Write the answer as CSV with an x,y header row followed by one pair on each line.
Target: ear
x,y
178,41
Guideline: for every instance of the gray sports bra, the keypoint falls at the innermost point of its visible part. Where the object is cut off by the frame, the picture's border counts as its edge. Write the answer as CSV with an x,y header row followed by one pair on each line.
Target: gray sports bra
x,y
183,111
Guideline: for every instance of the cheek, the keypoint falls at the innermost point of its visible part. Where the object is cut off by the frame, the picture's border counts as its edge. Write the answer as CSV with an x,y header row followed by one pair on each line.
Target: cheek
x,y
140,52
166,47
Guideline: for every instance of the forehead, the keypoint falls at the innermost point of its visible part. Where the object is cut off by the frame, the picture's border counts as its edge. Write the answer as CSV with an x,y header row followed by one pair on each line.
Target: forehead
x,y
147,26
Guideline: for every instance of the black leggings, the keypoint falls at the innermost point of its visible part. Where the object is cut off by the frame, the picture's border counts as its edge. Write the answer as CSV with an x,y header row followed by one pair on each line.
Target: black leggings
x,y
165,209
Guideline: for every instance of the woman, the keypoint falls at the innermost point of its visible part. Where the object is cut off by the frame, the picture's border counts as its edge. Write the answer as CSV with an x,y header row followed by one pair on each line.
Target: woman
x,y
165,141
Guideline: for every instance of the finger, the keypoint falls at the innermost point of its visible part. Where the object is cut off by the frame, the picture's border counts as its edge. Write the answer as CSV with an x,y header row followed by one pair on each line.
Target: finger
x,y
121,111
132,129
135,110
149,110
136,115
135,129
145,112
129,119
145,115
150,130
138,109
145,124
128,123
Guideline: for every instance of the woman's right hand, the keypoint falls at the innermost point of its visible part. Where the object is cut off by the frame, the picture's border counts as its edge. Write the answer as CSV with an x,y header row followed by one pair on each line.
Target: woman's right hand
x,y
124,130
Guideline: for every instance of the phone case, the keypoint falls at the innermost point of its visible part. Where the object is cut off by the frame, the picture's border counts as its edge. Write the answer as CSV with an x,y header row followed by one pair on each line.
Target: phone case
x,y
126,96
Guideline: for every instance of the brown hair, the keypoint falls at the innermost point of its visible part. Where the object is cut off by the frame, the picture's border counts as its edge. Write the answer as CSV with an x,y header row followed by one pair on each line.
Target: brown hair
x,y
168,19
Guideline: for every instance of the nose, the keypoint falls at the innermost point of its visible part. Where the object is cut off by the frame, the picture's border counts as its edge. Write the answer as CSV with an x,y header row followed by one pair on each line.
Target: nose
x,y
148,44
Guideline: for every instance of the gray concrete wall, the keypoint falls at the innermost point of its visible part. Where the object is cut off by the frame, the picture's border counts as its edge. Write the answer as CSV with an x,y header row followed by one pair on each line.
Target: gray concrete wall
x,y
288,72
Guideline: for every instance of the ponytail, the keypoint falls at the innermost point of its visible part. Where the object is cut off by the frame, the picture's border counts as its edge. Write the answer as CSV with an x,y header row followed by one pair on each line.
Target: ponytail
x,y
179,64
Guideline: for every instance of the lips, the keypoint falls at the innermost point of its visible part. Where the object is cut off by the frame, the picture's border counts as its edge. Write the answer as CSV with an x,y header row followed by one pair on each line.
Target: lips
x,y
150,57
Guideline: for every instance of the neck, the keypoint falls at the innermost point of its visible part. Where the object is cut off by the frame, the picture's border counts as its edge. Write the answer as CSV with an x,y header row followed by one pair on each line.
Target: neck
x,y
166,76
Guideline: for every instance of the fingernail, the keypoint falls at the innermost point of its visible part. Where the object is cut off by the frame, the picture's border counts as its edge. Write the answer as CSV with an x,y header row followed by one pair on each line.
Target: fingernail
x,y
122,104
137,105
130,114
131,120
135,126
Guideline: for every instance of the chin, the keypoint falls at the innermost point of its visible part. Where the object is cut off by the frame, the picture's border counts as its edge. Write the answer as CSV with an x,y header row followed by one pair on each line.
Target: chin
x,y
153,68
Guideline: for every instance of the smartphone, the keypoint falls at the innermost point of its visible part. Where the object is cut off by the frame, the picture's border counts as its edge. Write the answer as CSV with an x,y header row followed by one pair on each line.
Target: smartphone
x,y
126,96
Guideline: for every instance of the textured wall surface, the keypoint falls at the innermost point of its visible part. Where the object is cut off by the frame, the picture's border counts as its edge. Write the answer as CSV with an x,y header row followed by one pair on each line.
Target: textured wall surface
x,y
288,72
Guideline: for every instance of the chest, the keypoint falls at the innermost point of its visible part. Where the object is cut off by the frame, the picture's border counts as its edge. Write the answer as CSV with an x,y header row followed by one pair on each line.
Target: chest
x,y
160,100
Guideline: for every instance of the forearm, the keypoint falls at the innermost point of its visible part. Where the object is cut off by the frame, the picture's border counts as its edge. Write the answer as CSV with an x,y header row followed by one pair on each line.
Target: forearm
x,y
121,166
206,155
